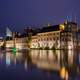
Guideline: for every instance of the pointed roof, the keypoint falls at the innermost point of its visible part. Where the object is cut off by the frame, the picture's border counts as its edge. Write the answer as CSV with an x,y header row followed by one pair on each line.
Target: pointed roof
x,y
8,32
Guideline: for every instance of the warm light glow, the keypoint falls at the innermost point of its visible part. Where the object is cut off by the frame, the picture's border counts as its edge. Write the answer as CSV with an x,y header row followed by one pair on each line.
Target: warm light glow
x,y
49,24
66,75
62,27
62,72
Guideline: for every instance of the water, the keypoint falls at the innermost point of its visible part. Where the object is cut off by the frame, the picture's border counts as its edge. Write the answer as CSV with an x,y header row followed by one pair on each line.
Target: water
x,y
38,65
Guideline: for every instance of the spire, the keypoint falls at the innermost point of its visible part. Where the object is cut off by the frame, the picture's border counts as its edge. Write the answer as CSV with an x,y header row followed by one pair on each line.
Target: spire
x,y
66,21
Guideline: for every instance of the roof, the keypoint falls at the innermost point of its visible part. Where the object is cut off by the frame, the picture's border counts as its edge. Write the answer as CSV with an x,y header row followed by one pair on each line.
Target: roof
x,y
72,23
49,29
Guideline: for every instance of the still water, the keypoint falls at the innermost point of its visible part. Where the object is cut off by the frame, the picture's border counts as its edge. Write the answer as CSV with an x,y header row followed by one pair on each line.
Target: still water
x,y
39,65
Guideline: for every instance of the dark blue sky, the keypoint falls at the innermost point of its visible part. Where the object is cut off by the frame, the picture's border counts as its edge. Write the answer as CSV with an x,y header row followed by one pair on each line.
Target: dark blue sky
x,y
17,13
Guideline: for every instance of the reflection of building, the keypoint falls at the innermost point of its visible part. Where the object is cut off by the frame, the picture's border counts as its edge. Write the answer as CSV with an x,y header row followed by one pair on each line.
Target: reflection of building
x,y
46,59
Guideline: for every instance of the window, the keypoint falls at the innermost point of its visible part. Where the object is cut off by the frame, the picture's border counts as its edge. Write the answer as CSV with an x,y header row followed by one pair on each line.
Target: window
x,y
50,38
57,33
44,39
53,33
54,39
39,39
57,38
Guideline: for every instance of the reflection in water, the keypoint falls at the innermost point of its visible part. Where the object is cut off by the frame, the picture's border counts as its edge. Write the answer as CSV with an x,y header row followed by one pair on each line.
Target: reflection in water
x,y
18,57
1,56
55,60
44,59
79,58
25,64
47,59
70,58
8,60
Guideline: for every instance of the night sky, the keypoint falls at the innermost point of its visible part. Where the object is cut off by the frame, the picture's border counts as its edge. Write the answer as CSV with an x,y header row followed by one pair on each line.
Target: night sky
x,y
20,13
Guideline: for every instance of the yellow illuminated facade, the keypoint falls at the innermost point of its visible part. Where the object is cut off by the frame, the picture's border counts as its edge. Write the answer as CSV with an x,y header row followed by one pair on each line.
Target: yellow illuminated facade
x,y
50,39
46,39
19,43
60,39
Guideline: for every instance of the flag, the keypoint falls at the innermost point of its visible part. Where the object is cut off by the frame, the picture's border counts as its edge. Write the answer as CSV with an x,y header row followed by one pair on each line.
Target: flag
x,y
8,32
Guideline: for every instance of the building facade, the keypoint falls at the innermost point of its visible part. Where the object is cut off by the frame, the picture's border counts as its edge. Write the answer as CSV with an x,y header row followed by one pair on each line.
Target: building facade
x,y
58,37
19,43
61,36
46,39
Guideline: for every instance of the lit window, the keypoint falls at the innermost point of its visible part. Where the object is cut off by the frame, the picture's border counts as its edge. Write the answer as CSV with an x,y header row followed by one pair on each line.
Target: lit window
x,y
50,38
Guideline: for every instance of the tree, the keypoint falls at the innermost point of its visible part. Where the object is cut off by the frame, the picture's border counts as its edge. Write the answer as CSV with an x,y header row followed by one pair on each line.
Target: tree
x,y
28,40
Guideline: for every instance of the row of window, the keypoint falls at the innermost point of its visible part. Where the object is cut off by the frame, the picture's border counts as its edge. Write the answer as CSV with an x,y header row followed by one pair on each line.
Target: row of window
x,y
49,34
65,39
44,44
66,34
46,39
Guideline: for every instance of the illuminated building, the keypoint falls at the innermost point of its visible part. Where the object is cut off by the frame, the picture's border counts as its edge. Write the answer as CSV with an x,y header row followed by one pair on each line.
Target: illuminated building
x,y
47,37
20,43
57,36
62,36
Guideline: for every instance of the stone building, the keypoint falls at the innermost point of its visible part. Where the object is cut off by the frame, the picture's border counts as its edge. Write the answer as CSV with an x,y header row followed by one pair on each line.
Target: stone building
x,y
19,43
57,36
